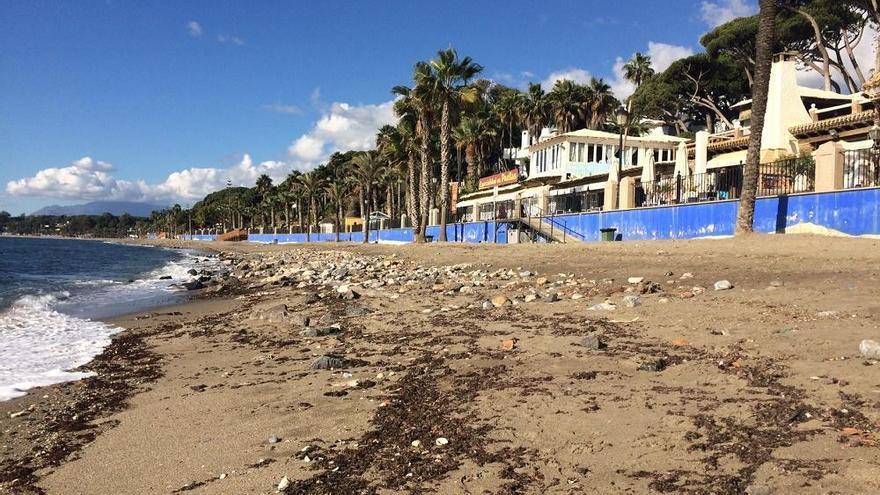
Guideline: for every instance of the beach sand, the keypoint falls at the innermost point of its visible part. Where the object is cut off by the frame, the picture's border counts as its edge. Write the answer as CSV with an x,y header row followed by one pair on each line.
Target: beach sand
x,y
757,389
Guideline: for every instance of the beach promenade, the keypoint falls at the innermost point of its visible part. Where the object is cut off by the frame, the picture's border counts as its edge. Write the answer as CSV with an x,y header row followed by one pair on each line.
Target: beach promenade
x,y
588,368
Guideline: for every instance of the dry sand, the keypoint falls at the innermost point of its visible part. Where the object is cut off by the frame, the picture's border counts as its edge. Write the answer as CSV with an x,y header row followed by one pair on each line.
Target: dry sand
x,y
762,389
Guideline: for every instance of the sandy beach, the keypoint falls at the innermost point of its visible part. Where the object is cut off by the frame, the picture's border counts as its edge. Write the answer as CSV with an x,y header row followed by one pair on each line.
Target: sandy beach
x,y
481,369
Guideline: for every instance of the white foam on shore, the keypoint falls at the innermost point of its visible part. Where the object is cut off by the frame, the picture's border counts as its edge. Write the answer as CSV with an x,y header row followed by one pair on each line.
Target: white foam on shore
x,y
39,346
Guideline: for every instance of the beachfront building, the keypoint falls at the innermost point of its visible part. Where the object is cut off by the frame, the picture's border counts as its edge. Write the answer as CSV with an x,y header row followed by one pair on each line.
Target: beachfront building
x,y
813,140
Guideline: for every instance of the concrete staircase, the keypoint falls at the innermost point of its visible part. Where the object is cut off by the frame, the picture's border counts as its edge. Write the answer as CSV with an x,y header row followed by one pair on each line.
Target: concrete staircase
x,y
549,230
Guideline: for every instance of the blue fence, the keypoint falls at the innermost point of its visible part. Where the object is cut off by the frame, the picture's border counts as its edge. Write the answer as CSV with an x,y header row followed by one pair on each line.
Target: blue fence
x,y
853,212
472,232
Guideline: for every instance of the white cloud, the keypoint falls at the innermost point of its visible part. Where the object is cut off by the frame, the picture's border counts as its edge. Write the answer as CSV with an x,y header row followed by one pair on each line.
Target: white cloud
x,y
662,56
717,13
235,40
281,108
194,29
88,179
573,74
342,127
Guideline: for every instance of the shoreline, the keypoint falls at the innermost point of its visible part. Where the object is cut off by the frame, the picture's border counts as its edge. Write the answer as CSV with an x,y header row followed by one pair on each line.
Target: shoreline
x,y
213,381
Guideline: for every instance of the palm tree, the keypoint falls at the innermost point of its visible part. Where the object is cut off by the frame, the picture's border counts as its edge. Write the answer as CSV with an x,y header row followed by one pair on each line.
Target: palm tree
x,y
406,143
638,69
312,185
367,169
536,111
602,102
451,76
509,109
763,61
423,98
468,135
569,105
264,186
337,193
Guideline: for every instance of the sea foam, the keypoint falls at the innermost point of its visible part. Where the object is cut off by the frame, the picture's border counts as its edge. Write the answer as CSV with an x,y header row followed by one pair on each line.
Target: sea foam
x,y
40,345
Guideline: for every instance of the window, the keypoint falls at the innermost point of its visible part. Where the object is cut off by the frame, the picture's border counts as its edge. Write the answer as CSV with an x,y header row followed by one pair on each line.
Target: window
x,y
600,153
572,152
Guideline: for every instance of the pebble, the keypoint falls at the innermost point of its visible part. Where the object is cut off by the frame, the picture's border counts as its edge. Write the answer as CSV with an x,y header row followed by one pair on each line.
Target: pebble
x,y
632,300
776,283
328,362
576,296
530,297
552,297
592,342
723,285
441,441
500,300
416,443
686,275
604,306
274,439
635,280
283,485
488,305
870,349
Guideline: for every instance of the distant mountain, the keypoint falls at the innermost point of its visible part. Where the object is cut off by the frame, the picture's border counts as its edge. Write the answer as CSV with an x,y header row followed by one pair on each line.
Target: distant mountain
x,y
101,207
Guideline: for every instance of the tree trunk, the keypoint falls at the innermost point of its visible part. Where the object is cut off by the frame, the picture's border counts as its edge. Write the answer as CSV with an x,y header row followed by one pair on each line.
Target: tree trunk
x,y
820,45
287,218
412,205
366,210
764,59
444,169
338,219
424,183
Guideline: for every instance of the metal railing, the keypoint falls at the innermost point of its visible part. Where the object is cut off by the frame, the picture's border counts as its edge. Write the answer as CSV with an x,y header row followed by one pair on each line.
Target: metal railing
x,y
787,176
861,168
557,226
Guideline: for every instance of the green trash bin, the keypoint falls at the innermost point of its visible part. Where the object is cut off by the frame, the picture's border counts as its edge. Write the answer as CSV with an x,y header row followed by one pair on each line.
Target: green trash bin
x,y
608,234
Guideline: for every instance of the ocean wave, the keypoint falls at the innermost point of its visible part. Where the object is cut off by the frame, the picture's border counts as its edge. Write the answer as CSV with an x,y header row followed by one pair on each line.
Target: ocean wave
x,y
40,346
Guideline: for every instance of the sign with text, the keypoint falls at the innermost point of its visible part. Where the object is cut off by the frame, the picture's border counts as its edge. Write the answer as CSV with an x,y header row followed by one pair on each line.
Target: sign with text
x,y
502,179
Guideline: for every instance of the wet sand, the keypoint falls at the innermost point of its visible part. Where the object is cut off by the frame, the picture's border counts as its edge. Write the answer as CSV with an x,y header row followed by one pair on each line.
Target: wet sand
x,y
758,388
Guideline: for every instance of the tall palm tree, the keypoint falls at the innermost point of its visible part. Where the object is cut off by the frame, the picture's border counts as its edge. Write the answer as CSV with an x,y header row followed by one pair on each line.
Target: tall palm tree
x,y
367,169
509,109
337,193
638,69
406,143
451,76
536,111
763,61
423,99
569,105
602,102
264,187
468,135
312,185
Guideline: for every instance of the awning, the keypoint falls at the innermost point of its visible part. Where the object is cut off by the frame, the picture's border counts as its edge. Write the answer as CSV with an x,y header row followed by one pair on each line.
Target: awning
x,y
728,159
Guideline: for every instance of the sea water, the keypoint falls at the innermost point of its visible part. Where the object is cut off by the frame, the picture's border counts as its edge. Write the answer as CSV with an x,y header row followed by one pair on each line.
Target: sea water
x,y
53,291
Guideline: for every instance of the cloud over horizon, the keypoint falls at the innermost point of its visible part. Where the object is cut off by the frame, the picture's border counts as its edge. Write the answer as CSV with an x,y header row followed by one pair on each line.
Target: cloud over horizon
x,y
717,13
341,127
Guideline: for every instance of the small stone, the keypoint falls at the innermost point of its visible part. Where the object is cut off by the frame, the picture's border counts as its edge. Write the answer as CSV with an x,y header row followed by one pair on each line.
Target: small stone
x,y
488,305
758,490
577,296
632,300
541,280
604,306
697,290
776,283
592,342
723,285
826,314
686,275
500,300
18,414
509,344
551,297
663,300
283,485
328,362
654,366
274,439
525,274
222,476
870,349
441,442
416,443
530,298
680,342
635,280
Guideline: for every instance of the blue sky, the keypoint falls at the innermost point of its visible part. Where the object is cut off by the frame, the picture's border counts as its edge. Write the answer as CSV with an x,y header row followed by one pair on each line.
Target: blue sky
x,y
165,101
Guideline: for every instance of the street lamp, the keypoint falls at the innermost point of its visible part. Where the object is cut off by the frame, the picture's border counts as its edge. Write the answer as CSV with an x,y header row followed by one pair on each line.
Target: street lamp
x,y
622,119
874,134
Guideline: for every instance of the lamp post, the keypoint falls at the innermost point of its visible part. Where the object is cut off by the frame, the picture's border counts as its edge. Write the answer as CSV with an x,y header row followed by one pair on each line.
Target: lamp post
x,y
874,135
622,119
